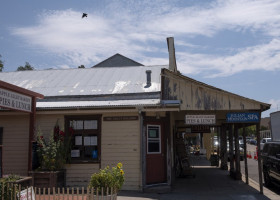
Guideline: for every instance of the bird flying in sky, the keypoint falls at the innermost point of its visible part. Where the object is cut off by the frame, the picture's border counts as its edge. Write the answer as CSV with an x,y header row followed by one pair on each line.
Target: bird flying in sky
x,y
84,15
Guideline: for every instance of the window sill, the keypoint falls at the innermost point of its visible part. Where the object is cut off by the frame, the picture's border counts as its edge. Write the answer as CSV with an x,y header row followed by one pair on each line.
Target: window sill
x,y
83,162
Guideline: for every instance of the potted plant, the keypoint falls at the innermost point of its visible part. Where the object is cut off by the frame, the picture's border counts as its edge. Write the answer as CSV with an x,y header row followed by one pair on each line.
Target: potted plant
x,y
107,179
53,152
11,184
8,186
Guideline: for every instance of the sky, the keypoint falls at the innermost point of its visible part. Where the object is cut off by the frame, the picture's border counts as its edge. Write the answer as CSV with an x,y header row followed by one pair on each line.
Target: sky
x,y
233,45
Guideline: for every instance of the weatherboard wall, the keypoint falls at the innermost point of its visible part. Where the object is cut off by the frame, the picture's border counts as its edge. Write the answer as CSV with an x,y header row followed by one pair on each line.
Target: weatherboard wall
x,y
15,143
120,142
198,96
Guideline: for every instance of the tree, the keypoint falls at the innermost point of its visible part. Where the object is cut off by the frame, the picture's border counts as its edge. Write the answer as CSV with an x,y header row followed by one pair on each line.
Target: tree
x,y
81,66
26,67
249,130
1,64
263,128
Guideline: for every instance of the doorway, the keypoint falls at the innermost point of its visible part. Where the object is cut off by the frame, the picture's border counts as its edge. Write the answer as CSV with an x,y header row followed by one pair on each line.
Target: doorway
x,y
155,154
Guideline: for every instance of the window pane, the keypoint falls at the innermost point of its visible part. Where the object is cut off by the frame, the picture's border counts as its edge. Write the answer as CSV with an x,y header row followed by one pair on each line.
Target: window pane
x,y
153,146
90,124
77,124
91,152
85,132
153,133
78,140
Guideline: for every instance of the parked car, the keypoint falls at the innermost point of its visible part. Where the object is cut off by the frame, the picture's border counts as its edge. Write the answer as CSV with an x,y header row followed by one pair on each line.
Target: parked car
x,y
248,140
241,152
263,141
241,143
271,163
253,142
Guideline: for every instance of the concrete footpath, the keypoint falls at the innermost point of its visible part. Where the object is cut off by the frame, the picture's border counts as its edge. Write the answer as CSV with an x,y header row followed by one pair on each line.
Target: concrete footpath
x,y
209,183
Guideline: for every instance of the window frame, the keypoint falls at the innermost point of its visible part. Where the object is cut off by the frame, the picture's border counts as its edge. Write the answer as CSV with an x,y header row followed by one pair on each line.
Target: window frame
x,y
84,132
159,139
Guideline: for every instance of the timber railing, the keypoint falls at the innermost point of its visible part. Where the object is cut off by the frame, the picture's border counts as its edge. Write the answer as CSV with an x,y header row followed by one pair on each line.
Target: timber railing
x,y
12,191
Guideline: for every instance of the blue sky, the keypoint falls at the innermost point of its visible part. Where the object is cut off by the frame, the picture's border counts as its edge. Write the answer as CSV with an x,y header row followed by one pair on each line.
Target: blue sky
x,y
230,44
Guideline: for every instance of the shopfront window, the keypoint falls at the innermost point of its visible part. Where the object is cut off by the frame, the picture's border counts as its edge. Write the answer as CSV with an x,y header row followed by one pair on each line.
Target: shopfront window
x,y
85,138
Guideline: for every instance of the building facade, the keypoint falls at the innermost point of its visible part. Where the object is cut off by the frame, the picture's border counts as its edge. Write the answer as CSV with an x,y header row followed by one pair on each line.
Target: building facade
x,y
128,114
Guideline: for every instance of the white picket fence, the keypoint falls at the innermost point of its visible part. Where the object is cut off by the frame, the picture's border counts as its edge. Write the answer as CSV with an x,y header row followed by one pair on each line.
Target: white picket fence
x,y
16,192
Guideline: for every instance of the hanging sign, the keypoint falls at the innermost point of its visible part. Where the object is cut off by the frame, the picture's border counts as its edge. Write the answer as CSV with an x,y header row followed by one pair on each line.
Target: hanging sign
x,y
253,117
200,119
14,100
200,129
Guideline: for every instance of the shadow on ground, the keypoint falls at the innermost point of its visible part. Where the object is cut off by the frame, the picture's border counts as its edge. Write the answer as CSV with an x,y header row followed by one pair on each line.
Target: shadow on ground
x,y
208,183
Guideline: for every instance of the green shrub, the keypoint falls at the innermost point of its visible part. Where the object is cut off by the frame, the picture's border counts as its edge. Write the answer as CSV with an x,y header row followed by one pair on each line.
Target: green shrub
x,y
53,152
8,189
108,178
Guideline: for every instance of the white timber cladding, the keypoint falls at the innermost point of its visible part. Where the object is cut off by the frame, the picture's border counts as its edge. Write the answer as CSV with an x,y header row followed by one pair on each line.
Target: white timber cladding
x,y
15,144
78,175
121,143
198,96
45,123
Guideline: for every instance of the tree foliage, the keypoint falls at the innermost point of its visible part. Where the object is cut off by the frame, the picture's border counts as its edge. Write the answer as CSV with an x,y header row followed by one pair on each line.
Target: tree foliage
x,y
249,130
26,67
81,66
1,64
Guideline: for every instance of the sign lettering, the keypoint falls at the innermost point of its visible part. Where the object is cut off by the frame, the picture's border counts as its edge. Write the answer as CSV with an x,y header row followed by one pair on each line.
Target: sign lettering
x,y
243,117
200,119
14,101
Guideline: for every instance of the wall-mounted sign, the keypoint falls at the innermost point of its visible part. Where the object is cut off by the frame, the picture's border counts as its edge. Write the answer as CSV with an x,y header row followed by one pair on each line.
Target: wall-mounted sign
x,y
243,117
200,119
121,118
15,101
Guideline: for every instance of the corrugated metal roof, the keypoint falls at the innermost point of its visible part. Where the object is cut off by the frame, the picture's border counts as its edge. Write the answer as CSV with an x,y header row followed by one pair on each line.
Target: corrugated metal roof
x,y
87,104
89,81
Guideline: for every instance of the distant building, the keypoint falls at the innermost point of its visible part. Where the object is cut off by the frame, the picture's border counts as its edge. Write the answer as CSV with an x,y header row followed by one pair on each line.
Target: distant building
x,y
265,122
118,60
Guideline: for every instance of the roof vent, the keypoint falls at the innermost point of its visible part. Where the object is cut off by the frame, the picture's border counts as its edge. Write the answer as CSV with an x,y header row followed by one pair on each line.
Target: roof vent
x,y
148,73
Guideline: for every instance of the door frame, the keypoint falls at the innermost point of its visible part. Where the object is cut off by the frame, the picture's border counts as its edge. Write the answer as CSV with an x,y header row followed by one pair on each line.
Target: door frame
x,y
163,145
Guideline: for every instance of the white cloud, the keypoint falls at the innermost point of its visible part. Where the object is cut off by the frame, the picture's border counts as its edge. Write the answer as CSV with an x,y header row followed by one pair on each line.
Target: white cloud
x,y
275,106
260,57
63,67
136,29
208,19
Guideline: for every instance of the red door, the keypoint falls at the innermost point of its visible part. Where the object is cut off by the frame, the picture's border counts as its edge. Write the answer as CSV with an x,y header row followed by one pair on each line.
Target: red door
x,y
156,156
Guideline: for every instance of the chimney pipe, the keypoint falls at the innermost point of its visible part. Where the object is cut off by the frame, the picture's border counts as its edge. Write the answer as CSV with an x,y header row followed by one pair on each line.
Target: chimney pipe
x,y
149,83
172,57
